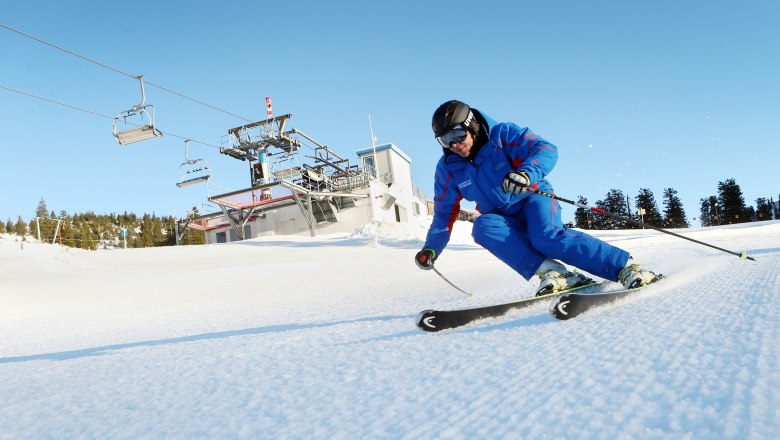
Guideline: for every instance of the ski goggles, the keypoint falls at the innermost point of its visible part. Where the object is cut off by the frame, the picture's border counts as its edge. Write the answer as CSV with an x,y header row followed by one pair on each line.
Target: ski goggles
x,y
457,134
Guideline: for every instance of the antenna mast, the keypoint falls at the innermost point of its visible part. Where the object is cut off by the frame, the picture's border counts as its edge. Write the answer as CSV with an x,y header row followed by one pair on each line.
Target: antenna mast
x,y
373,145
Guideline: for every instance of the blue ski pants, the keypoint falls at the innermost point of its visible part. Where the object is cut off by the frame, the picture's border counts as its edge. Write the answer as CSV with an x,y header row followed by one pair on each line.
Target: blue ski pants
x,y
535,231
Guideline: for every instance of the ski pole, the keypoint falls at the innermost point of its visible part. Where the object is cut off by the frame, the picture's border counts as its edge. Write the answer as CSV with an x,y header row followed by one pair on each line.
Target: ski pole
x,y
450,282
742,256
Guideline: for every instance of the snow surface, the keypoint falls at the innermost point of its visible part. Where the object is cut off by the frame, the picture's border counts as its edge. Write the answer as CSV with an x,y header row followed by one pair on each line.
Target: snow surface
x,y
296,337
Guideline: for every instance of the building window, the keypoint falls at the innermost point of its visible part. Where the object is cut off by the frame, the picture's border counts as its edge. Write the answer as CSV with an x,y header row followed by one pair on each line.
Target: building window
x,y
400,214
370,165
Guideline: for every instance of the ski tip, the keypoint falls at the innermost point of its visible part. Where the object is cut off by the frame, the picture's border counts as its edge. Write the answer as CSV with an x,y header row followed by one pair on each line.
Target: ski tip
x,y
558,307
426,320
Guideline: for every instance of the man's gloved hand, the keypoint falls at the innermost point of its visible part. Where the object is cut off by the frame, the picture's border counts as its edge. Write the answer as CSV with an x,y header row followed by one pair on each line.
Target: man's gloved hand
x,y
425,258
515,182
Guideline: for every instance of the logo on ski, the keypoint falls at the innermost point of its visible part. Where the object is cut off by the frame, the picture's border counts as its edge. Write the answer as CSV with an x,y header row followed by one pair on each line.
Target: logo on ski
x,y
562,307
573,304
425,320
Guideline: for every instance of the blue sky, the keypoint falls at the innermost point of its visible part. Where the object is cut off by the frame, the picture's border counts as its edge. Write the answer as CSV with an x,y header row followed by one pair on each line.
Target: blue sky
x,y
680,94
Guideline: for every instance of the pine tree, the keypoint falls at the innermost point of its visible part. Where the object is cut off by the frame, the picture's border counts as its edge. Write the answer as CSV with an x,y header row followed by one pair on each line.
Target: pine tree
x,y
732,204
750,214
42,211
86,238
169,231
2,228
90,231
763,209
645,200
194,236
581,215
20,228
43,222
615,203
674,214
32,229
144,236
600,221
67,236
708,211
775,208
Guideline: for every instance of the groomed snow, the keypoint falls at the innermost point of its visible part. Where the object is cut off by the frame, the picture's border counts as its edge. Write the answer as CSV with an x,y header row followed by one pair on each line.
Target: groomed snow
x,y
296,337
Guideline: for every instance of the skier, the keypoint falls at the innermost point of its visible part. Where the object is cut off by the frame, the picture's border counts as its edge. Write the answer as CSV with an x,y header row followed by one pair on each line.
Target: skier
x,y
494,164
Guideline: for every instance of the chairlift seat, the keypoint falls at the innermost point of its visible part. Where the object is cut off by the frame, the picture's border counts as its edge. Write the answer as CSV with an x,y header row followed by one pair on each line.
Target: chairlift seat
x,y
139,133
193,171
287,173
193,181
313,175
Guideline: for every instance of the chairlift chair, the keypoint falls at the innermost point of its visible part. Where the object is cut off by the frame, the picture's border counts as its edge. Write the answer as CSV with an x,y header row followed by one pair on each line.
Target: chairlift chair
x,y
287,166
141,132
192,171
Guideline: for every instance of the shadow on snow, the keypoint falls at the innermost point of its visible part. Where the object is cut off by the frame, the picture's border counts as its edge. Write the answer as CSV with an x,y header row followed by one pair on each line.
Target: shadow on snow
x,y
99,351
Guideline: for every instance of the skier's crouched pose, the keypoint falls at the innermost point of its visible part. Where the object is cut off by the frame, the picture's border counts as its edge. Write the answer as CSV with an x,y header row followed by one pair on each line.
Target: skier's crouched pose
x,y
494,164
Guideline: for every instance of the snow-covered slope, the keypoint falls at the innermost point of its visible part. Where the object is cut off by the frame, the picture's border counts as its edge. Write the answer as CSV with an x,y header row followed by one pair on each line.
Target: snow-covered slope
x,y
291,337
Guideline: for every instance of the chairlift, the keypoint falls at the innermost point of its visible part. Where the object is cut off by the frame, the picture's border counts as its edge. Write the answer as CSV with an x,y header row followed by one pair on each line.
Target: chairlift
x,y
288,166
141,132
192,171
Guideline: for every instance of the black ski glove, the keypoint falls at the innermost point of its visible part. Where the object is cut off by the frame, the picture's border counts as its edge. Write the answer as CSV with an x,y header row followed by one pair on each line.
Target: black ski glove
x,y
515,182
425,259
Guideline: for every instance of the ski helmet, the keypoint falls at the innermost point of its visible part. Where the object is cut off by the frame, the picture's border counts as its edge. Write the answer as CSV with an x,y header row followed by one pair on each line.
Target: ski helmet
x,y
451,114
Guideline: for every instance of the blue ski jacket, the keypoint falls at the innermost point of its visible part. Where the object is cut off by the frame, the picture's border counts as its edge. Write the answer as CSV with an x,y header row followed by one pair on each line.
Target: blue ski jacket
x,y
509,148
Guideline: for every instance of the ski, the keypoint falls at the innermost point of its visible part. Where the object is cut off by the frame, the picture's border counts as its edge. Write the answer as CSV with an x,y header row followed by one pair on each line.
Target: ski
x,y
571,304
437,320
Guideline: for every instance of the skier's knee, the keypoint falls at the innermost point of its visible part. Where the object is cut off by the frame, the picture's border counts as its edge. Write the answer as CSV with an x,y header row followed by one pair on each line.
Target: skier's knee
x,y
486,229
478,232
544,240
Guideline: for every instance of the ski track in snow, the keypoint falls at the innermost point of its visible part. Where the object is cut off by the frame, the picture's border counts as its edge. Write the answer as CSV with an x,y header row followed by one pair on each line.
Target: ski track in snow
x,y
175,343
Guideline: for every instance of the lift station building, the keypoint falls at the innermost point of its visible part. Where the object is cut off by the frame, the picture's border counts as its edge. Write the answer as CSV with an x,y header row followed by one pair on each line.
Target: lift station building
x,y
320,192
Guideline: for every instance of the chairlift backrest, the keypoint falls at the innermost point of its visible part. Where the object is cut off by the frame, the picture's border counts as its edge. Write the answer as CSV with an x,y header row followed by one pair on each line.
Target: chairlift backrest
x,y
192,171
287,166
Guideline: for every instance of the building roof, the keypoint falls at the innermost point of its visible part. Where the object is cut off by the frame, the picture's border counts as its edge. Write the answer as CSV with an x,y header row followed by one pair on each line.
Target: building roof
x,y
389,146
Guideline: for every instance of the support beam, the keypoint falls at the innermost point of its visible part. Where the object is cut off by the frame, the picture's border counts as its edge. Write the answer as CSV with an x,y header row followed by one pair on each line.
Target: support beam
x,y
181,231
239,223
312,222
306,213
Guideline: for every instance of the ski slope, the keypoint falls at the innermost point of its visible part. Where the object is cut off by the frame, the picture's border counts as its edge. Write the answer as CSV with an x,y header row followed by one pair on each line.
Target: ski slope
x,y
296,337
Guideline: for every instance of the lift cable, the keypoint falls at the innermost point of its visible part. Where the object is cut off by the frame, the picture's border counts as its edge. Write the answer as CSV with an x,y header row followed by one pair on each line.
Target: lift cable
x,y
121,72
125,74
11,89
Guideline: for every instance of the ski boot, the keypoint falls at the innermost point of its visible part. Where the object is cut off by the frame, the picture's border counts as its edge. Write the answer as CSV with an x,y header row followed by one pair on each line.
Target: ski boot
x,y
633,276
553,281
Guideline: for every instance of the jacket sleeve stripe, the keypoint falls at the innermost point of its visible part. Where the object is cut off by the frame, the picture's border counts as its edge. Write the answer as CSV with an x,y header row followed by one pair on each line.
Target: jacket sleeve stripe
x,y
446,187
